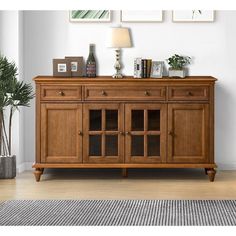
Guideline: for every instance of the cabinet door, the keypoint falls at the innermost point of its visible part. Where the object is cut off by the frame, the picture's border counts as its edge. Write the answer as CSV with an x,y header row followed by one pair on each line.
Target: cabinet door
x,y
103,133
61,126
145,136
188,133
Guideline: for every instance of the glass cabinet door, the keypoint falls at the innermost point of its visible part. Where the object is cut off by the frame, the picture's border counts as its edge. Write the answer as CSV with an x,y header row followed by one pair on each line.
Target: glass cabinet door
x,y
145,126
103,133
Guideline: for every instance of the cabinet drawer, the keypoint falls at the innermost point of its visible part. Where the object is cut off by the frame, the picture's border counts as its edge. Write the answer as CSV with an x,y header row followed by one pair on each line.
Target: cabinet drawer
x,y
188,93
60,92
125,93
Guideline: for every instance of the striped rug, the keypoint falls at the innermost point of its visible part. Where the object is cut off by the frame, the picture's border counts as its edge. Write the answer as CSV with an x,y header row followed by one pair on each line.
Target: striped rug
x,y
118,212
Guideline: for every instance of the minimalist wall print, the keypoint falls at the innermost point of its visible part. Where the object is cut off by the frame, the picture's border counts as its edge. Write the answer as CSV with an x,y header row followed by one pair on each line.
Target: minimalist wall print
x,y
157,69
61,68
76,64
90,16
141,16
193,16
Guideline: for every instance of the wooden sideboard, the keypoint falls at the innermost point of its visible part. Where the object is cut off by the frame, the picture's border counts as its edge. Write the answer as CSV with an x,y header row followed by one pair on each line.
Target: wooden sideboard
x,y
125,123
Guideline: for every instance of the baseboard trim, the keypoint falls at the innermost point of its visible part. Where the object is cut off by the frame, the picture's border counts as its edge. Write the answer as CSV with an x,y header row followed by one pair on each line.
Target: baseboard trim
x,y
24,166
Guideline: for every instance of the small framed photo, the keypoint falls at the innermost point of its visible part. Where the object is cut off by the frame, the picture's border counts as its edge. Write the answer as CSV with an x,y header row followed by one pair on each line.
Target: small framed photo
x,y
76,66
193,16
61,68
141,16
157,69
90,16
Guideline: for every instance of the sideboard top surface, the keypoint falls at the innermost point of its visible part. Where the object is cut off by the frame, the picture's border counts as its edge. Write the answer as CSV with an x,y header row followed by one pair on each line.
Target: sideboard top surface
x,y
99,79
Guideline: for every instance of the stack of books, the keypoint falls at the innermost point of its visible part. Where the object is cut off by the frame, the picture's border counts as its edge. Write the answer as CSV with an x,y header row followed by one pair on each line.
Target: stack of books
x,y
142,67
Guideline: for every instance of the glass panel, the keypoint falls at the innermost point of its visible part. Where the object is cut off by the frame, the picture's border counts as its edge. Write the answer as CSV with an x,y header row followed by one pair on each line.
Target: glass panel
x,y
137,145
95,120
154,120
111,120
111,145
137,120
95,144
153,145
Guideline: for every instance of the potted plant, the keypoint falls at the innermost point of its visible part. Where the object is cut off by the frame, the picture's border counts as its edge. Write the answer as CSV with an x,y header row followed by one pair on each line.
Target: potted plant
x,y
177,65
13,94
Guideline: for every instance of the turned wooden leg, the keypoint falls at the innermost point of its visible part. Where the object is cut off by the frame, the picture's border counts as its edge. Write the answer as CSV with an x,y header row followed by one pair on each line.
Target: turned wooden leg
x,y
38,172
124,172
211,174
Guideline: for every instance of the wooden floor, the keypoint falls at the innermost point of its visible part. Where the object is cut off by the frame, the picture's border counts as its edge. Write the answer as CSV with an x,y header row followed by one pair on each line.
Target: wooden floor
x,y
108,184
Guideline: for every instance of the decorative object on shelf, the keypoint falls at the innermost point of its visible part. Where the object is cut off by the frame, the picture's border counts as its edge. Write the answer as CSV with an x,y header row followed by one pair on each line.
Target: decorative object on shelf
x,y
13,94
138,67
193,16
177,65
61,68
76,66
90,16
91,63
141,16
119,37
157,69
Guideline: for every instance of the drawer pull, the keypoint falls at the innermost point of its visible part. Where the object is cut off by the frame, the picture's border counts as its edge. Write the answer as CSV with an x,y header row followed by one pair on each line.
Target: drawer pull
x,y
104,93
146,93
189,93
61,93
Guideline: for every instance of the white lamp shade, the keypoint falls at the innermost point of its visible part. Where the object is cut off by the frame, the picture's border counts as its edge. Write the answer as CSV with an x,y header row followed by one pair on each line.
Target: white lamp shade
x,y
119,37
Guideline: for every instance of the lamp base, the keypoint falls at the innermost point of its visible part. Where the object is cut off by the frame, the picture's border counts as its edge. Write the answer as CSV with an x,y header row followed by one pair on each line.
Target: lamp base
x,y
117,76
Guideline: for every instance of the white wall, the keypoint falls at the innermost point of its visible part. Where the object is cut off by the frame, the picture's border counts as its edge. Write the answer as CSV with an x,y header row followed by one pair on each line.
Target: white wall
x,y
11,36
49,34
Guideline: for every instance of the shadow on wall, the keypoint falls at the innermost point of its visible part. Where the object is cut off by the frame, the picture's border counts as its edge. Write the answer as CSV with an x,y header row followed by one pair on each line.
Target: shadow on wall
x,y
224,130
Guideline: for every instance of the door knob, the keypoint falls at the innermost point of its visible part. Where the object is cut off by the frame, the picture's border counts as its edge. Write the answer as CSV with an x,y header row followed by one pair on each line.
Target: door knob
x,y
120,132
61,93
127,133
80,133
171,133
104,93
189,93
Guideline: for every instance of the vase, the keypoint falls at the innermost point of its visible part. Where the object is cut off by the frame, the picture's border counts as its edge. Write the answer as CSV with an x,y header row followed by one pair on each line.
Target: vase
x,y
177,73
7,167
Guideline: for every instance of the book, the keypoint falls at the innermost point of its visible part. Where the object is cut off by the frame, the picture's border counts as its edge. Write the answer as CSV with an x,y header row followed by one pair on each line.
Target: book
x,y
149,67
144,68
138,67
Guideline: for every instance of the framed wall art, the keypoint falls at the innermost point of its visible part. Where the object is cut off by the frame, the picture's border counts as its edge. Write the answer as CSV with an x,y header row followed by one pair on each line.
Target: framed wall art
x,y
90,15
157,69
77,65
193,16
61,68
141,16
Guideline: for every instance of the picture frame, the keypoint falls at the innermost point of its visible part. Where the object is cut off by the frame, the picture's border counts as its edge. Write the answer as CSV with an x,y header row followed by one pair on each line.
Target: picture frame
x,y
61,68
157,69
191,16
90,15
76,66
141,16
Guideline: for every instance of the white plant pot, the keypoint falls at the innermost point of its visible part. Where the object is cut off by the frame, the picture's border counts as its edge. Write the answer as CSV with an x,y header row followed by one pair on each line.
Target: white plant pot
x,y
177,73
7,167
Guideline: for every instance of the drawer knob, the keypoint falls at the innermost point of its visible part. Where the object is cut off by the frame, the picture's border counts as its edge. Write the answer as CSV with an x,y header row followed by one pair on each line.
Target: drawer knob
x,y
104,93
61,93
146,93
189,93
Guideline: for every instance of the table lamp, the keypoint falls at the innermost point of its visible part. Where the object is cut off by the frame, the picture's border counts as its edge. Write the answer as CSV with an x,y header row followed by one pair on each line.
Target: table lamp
x,y
119,37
